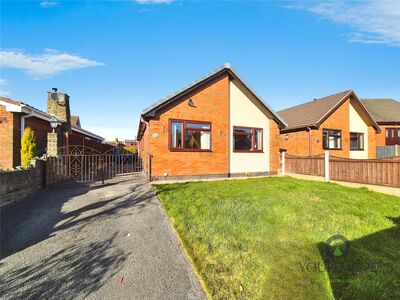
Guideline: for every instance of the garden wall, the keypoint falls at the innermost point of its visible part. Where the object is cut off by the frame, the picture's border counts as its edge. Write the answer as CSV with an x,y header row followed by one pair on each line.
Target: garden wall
x,y
18,184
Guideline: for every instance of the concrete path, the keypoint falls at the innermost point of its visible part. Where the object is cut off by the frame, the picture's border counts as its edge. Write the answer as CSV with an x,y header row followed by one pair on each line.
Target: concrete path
x,y
74,241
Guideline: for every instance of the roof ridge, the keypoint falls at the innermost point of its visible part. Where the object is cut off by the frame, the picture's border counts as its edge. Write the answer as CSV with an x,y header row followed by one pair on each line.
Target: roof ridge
x,y
315,99
374,99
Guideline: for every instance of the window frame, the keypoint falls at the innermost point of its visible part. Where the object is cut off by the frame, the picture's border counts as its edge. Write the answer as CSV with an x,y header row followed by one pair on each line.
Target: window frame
x,y
184,128
341,139
362,136
253,139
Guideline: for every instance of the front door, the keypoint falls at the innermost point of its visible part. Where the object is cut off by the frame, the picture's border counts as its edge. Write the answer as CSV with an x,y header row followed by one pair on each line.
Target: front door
x,y
392,136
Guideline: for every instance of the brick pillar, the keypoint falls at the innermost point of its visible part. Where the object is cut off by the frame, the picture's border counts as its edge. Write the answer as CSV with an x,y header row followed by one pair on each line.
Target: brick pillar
x,y
55,140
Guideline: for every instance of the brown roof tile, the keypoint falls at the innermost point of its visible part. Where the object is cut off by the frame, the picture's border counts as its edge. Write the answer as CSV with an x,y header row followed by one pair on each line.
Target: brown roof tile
x,y
310,113
383,110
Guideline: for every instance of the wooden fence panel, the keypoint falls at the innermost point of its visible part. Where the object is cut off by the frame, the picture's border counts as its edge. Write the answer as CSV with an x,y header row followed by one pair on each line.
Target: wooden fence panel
x,y
368,171
309,165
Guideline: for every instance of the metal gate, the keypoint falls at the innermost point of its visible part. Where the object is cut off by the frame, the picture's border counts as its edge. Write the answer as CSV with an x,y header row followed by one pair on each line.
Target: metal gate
x,y
85,164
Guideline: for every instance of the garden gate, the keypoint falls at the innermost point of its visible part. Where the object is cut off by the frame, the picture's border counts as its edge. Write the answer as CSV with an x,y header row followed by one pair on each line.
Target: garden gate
x,y
85,164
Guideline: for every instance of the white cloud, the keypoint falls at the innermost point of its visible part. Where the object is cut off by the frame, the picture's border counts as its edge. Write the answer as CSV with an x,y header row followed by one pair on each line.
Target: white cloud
x,y
373,21
3,82
47,4
45,65
154,1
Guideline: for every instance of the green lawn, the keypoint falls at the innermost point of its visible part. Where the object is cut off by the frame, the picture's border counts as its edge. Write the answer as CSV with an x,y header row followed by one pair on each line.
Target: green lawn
x,y
264,238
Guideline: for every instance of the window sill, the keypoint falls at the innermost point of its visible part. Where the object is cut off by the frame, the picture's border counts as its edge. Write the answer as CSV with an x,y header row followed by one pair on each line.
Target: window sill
x,y
357,149
189,150
337,149
248,151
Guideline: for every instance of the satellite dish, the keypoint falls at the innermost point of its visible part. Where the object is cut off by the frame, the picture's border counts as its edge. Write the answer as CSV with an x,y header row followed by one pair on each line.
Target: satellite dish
x,y
54,96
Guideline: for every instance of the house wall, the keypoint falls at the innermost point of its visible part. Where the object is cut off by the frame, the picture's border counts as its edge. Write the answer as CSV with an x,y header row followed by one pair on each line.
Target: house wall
x,y
380,138
210,105
40,128
143,152
371,143
357,124
273,146
10,139
245,112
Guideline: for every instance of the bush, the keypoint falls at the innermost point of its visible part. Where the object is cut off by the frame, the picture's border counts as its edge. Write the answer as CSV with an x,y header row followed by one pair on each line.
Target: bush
x,y
28,147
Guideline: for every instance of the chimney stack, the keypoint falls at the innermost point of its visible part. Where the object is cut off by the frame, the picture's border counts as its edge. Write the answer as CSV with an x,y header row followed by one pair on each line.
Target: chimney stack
x,y
58,105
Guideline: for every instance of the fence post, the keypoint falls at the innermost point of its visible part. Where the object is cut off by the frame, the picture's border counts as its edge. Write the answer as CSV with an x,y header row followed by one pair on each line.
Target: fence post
x,y
283,163
326,166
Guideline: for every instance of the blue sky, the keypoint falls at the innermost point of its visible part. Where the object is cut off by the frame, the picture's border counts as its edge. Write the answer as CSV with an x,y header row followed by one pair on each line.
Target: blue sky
x,y
116,58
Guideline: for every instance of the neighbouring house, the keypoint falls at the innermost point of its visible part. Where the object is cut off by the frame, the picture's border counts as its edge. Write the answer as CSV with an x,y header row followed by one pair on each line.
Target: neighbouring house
x,y
131,145
215,127
15,116
386,113
337,123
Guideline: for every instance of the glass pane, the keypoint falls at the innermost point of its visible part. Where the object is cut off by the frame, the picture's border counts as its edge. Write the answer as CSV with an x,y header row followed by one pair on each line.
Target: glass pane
x,y
332,142
242,142
353,144
258,143
176,135
205,140
198,125
197,140
243,130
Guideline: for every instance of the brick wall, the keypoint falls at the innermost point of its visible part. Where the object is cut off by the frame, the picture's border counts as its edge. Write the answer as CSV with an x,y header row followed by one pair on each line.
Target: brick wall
x,y
40,128
16,185
273,146
372,142
211,105
10,142
143,152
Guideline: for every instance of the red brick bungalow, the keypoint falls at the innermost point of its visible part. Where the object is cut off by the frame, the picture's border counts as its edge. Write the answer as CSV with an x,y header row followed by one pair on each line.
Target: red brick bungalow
x,y
15,116
338,123
215,127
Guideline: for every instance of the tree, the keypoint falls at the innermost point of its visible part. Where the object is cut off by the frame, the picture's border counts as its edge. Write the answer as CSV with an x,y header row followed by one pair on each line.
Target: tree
x,y
116,141
28,147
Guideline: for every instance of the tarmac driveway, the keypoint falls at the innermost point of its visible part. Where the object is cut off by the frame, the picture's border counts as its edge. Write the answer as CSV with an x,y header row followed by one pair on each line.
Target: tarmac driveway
x,y
91,241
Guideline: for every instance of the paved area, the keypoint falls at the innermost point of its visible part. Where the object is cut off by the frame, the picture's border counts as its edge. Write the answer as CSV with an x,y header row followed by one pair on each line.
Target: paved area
x,y
74,241
376,188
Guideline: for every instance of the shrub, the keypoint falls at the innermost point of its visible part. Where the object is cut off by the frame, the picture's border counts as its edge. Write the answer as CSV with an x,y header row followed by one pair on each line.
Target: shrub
x,y
28,147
